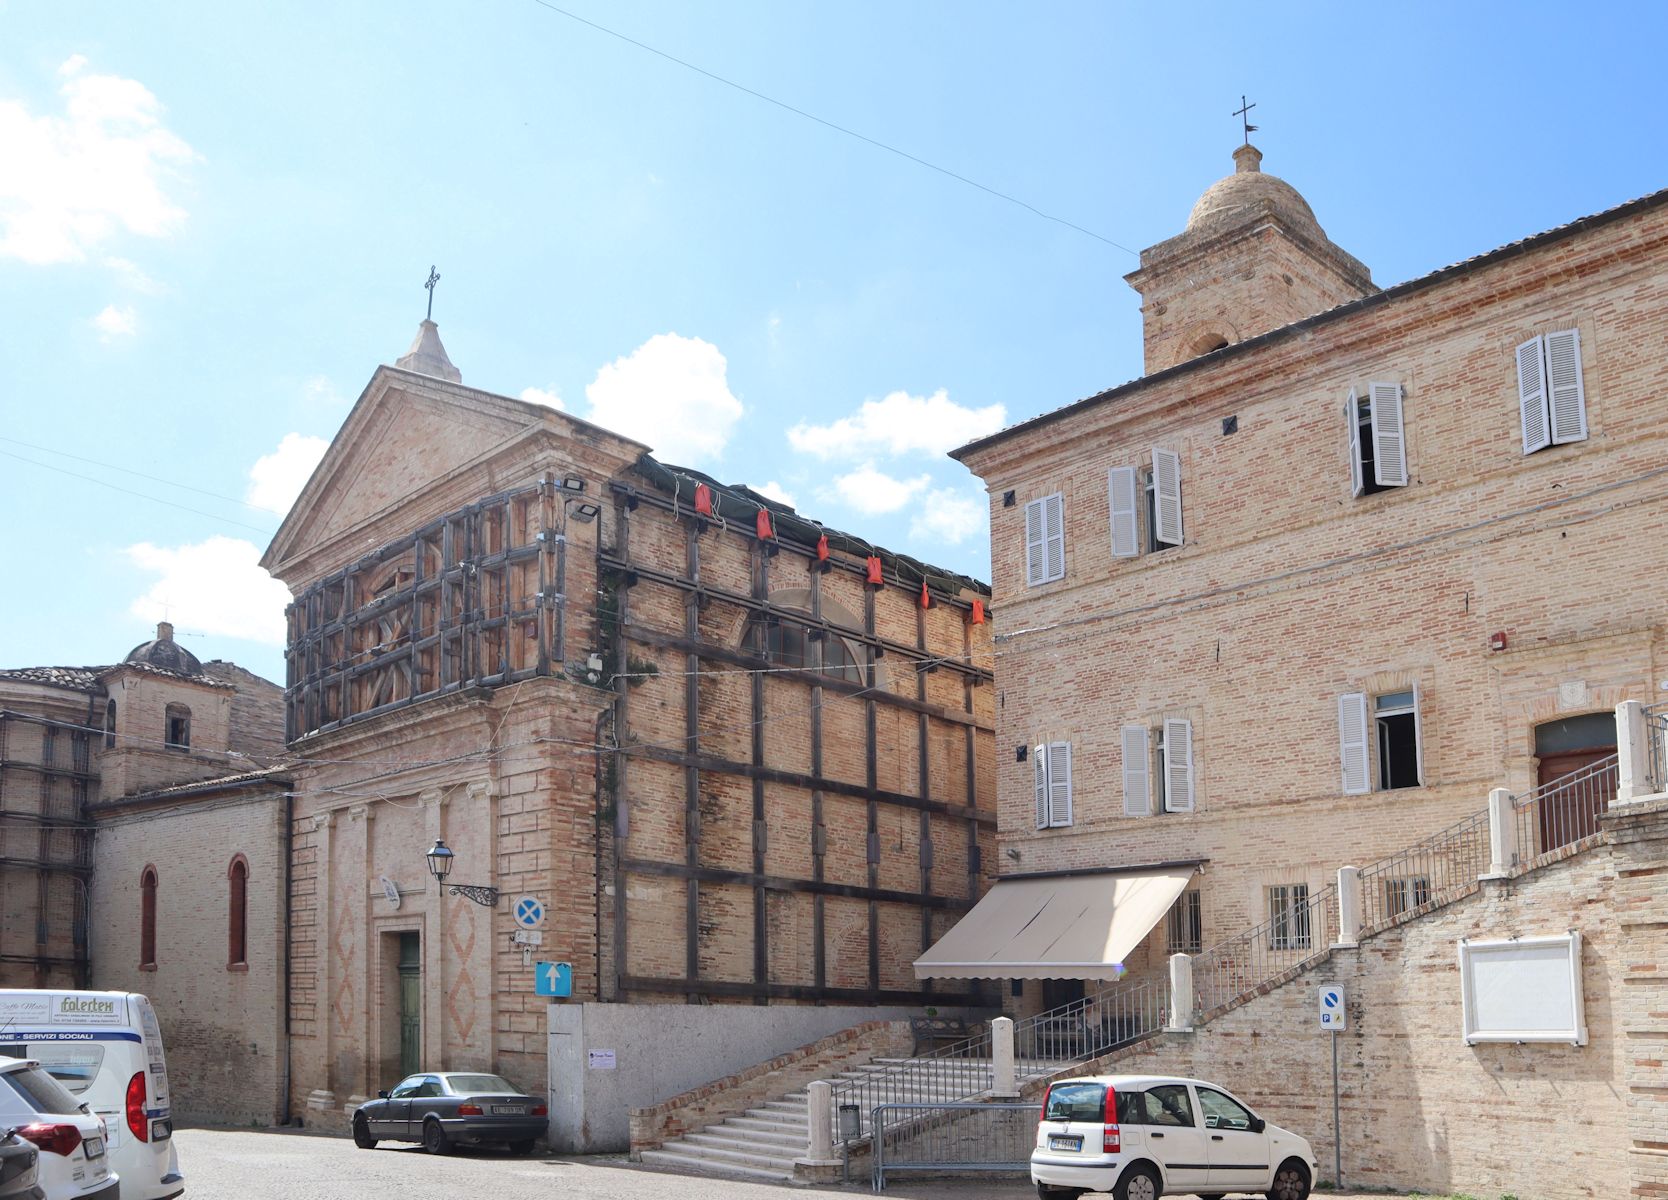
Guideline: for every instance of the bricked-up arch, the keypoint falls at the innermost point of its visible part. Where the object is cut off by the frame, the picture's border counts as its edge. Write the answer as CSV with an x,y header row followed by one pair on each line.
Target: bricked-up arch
x,y
237,912
147,918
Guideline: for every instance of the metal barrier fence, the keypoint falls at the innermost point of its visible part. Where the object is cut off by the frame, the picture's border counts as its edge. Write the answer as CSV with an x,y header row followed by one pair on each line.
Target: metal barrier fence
x,y
1656,746
1563,810
1112,1017
952,1137
1439,869
1299,928
950,1073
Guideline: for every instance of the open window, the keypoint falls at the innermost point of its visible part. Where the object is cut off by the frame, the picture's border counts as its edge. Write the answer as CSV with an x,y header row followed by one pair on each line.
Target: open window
x,y
1552,404
109,724
1379,741
1158,767
1146,506
178,718
1051,767
1377,438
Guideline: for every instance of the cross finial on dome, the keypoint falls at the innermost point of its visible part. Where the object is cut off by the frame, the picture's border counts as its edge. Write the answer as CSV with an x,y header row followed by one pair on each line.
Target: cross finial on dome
x,y
1243,113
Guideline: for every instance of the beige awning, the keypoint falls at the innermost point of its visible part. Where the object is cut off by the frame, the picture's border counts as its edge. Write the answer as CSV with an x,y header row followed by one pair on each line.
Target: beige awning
x,y
1056,926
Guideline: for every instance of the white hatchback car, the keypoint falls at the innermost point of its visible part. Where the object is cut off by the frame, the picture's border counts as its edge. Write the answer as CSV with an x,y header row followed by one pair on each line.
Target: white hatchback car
x,y
1143,1136
70,1137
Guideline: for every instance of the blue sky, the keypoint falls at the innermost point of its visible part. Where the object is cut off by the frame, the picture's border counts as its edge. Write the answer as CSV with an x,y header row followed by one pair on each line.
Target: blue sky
x,y
215,221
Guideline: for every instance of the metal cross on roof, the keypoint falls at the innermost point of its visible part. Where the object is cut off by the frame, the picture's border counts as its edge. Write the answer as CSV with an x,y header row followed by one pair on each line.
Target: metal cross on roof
x,y
1243,113
432,280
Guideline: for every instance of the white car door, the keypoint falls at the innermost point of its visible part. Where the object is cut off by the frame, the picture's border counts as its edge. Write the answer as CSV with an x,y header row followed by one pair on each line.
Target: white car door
x,y
1175,1139
1238,1153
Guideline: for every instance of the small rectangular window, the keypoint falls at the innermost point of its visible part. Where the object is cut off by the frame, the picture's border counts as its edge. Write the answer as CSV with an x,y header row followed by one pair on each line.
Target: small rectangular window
x,y
1396,732
1288,916
1045,540
1186,924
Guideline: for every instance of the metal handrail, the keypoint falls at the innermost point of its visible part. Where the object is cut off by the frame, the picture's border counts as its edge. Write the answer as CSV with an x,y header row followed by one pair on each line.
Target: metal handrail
x,y
1656,746
1434,870
1563,811
1286,941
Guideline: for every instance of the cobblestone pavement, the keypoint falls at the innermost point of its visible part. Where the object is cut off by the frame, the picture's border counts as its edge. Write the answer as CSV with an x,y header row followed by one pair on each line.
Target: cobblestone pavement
x,y
236,1164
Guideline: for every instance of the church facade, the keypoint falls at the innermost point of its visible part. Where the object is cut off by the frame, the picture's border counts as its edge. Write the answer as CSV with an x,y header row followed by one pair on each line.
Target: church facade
x,y
736,757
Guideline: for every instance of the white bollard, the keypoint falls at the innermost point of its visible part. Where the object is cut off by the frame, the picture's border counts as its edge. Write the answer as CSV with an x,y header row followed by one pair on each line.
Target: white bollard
x,y
1633,760
1502,834
820,1113
1181,994
1004,1081
1349,906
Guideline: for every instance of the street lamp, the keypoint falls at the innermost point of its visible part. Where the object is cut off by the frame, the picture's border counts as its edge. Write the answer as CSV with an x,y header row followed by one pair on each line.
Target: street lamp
x,y
440,858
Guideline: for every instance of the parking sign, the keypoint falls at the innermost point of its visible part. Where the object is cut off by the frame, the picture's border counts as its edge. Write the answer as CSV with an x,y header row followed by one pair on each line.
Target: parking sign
x,y
1332,1007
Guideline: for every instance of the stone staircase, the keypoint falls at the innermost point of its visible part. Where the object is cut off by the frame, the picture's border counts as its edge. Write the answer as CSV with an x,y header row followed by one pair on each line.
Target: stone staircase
x,y
763,1142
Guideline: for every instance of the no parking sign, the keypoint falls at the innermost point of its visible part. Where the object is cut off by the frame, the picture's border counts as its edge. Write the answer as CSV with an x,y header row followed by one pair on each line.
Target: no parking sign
x,y
1332,1007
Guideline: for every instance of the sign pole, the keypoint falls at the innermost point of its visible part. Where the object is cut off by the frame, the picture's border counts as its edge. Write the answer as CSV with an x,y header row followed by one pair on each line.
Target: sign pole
x,y
1337,1145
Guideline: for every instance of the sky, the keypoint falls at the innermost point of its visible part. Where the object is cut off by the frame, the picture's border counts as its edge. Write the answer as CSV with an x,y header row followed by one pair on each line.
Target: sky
x,y
216,221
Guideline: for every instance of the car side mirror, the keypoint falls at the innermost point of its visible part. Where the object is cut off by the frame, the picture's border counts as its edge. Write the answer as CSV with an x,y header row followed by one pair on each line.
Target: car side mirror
x,y
383,1094
1258,1124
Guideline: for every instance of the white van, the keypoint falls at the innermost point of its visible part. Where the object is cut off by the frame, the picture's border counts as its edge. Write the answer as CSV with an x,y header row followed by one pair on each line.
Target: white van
x,y
106,1048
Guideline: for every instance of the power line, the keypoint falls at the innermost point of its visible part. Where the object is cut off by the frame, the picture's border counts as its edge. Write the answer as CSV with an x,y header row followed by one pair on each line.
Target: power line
x,y
129,491
140,474
837,128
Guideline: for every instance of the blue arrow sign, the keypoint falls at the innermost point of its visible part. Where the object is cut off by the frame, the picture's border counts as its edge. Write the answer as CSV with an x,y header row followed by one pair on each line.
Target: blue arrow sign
x,y
553,979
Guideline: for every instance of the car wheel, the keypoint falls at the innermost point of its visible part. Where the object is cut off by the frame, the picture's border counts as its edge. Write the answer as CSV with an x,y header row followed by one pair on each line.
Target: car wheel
x,y
362,1133
435,1140
1139,1183
524,1146
1291,1181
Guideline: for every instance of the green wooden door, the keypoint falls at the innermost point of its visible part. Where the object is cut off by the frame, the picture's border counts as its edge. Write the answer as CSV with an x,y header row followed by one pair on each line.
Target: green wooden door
x,y
411,1004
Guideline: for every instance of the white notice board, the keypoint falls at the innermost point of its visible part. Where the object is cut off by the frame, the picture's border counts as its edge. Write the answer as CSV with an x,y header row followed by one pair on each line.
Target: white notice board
x,y
1523,990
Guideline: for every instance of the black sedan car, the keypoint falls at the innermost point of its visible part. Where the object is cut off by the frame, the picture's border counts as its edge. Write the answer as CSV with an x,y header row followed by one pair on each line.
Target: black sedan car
x,y
19,1168
444,1108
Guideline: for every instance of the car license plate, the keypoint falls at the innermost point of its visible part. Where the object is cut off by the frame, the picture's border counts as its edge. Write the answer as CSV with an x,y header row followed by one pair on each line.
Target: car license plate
x,y
1065,1143
95,1147
509,1110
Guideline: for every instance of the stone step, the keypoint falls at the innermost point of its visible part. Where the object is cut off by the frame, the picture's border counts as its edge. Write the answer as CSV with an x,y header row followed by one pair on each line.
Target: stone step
x,y
714,1137
751,1159
777,1136
768,1125
674,1160
779,1116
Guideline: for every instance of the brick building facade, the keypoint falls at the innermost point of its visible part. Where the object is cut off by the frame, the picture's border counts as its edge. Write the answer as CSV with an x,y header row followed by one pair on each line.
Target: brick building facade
x,y
1342,562
738,757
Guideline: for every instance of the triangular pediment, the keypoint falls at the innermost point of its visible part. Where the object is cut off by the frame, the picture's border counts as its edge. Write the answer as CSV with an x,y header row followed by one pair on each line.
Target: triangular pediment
x,y
412,449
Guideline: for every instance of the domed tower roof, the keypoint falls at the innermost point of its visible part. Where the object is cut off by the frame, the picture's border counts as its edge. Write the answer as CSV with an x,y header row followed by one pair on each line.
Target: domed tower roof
x,y
165,653
1252,258
1246,194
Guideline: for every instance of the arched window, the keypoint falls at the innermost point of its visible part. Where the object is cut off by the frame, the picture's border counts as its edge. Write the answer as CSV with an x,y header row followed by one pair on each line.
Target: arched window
x,y
237,913
147,918
109,724
179,727
790,644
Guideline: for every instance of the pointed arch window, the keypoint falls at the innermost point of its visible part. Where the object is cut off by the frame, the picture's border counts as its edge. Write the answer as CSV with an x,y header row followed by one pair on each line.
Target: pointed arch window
x,y
237,913
147,919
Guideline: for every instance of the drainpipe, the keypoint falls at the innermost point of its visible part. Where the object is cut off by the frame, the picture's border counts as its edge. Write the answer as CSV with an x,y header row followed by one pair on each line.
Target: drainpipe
x,y
284,1115
596,741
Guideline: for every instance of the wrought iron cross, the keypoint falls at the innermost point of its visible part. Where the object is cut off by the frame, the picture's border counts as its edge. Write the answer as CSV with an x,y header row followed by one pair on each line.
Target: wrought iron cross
x,y
432,280
1243,112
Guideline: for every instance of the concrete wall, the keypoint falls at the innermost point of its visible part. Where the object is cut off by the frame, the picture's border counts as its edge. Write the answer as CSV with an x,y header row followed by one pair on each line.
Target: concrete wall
x,y
661,1050
1421,1109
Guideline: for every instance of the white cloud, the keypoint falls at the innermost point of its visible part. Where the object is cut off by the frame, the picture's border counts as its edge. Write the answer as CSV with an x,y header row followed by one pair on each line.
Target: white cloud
x,y
115,323
950,516
777,493
73,180
899,424
276,479
545,396
672,393
133,278
873,492
216,586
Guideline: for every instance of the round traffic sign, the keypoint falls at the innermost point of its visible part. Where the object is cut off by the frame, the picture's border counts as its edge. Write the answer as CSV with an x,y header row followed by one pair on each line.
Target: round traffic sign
x,y
528,912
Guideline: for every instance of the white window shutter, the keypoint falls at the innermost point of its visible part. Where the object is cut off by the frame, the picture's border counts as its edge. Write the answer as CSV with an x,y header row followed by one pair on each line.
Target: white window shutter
x,y
1389,434
1120,489
1035,552
1039,773
1138,799
1059,783
1167,504
1565,398
1178,765
1054,530
1352,417
1352,743
1531,396
1418,738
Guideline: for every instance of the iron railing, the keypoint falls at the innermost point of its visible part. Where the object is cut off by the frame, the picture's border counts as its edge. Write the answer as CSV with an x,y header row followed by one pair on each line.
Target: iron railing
x,y
1298,930
1100,1022
1563,811
1656,746
950,1073
1437,870
953,1137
